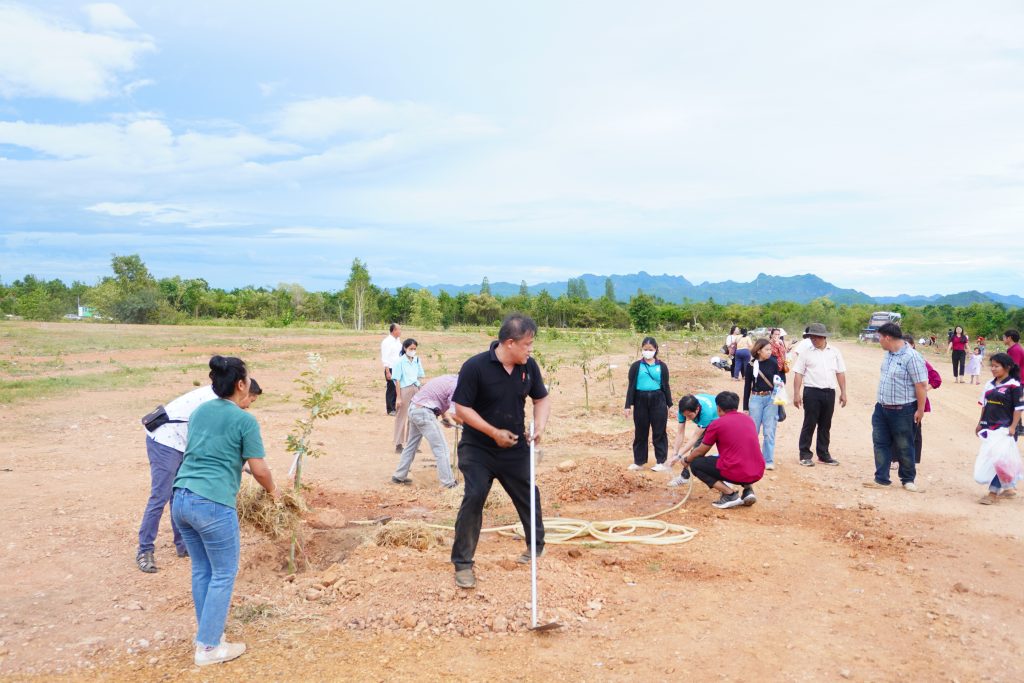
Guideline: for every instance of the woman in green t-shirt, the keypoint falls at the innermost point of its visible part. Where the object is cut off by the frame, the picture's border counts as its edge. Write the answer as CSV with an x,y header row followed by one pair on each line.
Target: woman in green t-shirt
x,y
222,437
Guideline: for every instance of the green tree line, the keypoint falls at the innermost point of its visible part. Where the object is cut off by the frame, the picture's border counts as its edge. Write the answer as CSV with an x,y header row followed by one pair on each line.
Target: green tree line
x,y
131,294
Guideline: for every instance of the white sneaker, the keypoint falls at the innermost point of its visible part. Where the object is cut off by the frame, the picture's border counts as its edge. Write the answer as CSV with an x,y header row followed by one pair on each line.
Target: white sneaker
x,y
678,481
660,467
634,467
224,652
770,466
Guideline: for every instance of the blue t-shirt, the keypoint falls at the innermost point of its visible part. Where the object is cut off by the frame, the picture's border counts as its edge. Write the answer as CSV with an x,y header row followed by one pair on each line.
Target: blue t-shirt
x,y
708,411
648,378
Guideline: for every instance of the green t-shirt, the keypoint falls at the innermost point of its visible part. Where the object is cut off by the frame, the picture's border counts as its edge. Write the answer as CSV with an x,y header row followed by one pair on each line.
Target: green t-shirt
x,y
221,436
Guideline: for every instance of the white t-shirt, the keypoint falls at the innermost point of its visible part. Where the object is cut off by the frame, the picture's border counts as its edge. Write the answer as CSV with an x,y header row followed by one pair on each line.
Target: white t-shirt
x,y
175,434
390,348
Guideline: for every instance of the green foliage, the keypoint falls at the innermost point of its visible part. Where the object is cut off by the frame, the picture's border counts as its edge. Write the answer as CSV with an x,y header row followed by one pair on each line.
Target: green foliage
x,y
426,313
577,289
643,313
319,398
132,295
588,348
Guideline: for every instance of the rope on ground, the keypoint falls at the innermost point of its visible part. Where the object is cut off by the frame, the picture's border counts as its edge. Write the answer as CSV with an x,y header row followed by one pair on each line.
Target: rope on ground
x,y
566,530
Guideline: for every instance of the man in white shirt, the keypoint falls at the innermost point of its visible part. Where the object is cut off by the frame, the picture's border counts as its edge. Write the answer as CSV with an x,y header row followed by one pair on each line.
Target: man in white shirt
x,y
390,348
165,448
818,371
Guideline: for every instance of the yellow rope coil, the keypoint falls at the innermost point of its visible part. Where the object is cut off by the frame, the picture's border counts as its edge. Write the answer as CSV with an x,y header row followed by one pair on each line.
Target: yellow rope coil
x,y
566,530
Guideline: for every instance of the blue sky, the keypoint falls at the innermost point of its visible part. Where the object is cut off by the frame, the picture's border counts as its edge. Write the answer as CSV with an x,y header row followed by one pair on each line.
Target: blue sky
x,y
875,144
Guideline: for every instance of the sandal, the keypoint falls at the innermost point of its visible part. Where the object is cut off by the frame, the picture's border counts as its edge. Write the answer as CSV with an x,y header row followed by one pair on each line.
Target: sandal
x,y
146,562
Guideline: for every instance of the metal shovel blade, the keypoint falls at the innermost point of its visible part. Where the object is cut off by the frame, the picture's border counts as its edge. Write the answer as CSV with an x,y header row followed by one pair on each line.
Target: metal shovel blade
x,y
550,626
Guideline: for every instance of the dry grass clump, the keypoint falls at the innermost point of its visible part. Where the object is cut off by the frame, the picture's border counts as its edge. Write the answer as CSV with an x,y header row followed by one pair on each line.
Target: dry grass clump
x,y
416,535
277,520
451,498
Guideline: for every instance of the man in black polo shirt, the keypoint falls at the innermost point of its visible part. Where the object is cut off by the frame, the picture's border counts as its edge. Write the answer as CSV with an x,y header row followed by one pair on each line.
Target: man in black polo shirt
x,y
490,399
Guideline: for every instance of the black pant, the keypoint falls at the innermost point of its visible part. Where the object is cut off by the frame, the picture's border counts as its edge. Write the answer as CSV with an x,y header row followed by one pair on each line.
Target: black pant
x,y
959,358
917,442
390,393
819,404
650,413
480,467
705,468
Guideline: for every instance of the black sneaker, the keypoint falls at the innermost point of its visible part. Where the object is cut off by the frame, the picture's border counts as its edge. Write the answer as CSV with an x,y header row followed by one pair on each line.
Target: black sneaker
x,y
806,462
728,500
829,461
396,480
748,496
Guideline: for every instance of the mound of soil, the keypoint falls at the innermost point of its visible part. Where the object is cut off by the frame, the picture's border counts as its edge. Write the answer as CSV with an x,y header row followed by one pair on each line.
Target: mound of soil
x,y
592,478
401,589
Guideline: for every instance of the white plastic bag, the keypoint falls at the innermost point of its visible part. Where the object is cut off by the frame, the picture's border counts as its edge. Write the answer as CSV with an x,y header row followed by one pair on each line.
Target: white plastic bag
x,y
998,456
779,396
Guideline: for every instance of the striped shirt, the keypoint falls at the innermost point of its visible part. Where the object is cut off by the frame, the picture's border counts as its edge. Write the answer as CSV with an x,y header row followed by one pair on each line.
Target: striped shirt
x,y
901,370
437,393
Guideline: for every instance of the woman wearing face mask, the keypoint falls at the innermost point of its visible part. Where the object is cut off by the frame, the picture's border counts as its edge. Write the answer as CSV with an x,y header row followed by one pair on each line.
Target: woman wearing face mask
x,y
649,398
406,375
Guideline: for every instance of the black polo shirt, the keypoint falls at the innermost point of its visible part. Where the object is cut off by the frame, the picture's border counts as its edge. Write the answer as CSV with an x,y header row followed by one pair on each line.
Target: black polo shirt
x,y
498,396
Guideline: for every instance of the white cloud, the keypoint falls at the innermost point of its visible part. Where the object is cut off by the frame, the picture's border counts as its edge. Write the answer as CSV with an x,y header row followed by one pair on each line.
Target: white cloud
x,y
106,16
326,117
41,56
148,144
164,214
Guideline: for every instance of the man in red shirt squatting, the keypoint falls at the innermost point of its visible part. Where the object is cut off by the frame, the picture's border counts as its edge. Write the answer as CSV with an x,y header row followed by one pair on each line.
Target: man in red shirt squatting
x,y
739,458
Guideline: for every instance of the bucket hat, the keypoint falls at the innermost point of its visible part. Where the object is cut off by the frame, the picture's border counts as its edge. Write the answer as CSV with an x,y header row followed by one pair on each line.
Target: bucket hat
x,y
817,330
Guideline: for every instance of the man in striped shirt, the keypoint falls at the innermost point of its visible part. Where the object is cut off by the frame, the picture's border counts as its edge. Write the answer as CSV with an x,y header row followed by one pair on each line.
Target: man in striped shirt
x,y
902,390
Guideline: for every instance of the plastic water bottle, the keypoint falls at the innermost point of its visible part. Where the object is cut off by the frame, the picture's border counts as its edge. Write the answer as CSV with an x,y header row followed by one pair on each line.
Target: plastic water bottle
x,y
778,391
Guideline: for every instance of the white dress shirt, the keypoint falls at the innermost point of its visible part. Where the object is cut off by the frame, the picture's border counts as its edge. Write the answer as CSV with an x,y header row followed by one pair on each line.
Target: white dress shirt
x,y
390,348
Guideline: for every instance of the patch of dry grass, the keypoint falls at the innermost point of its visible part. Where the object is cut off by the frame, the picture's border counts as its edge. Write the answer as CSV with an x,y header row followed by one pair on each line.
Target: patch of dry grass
x,y
277,520
416,535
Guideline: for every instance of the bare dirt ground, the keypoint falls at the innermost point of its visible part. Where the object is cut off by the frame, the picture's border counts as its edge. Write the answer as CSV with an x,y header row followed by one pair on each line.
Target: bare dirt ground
x,y
821,580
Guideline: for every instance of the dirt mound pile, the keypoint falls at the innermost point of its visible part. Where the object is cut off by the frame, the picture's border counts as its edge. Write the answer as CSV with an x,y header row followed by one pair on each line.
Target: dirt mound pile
x,y
401,589
591,479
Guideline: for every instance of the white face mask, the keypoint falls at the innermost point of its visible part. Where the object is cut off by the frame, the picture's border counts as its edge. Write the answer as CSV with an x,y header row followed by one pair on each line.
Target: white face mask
x,y
411,353
648,355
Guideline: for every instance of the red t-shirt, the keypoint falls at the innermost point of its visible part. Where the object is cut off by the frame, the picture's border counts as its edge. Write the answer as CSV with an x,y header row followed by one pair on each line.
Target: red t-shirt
x,y
739,453
960,343
1017,354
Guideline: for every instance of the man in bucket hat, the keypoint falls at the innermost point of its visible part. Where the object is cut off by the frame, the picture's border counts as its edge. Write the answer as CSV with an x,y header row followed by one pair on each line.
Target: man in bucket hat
x,y
817,373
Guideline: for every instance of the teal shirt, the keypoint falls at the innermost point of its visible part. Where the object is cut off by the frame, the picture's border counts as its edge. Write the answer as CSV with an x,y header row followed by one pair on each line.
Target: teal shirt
x,y
708,411
407,371
648,377
221,437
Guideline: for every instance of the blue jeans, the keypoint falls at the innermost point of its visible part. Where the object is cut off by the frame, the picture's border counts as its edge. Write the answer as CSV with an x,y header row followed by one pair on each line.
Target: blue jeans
x,y
892,433
212,537
164,462
765,415
740,362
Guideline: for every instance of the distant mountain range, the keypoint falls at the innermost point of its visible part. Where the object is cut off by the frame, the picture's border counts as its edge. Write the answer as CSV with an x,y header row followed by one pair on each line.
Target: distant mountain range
x,y
763,289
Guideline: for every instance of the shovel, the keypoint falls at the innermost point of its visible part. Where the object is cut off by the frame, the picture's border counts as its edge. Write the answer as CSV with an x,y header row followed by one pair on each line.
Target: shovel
x,y
551,625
